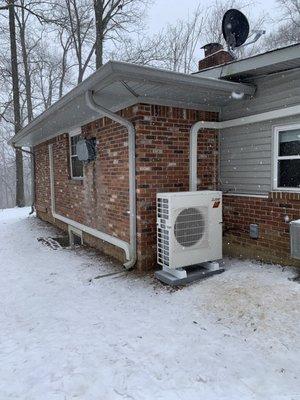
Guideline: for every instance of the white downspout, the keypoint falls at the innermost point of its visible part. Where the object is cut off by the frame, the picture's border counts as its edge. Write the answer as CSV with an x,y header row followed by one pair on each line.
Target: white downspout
x,y
132,174
93,232
251,119
194,152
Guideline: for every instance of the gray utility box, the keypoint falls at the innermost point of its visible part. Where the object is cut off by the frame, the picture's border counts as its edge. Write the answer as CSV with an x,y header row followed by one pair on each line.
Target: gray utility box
x,y
295,239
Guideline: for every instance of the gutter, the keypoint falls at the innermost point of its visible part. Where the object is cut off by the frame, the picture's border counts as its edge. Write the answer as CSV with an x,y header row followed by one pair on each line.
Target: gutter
x,y
251,119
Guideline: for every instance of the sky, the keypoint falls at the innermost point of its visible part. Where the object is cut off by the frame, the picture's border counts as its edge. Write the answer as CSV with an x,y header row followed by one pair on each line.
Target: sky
x,y
163,12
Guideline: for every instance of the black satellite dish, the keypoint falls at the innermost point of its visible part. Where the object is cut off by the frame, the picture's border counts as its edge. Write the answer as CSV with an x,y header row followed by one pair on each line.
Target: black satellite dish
x,y
235,28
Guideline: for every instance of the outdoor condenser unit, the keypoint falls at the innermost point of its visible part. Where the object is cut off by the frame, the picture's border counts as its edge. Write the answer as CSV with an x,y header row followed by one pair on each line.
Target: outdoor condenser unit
x,y
189,230
295,239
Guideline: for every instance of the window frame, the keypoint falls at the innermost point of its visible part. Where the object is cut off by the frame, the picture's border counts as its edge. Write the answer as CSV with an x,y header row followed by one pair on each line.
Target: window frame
x,y
72,133
276,157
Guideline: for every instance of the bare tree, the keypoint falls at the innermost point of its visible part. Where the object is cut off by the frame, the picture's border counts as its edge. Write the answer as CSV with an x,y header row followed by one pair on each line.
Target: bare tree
x,y
174,48
11,6
76,31
290,11
288,25
20,199
142,50
113,18
181,41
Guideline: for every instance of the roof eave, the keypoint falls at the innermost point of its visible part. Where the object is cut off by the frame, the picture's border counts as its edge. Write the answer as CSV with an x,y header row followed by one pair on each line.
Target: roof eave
x,y
119,71
104,74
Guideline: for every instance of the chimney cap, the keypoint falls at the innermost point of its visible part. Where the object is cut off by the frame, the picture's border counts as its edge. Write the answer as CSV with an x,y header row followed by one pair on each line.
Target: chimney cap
x,y
211,48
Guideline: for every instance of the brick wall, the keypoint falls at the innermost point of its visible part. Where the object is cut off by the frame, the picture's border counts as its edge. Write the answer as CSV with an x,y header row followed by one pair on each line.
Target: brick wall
x,y
101,199
273,244
163,165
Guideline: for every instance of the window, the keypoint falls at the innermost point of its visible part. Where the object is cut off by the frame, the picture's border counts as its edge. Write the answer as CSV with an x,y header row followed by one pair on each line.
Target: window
x,y
76,165
287,158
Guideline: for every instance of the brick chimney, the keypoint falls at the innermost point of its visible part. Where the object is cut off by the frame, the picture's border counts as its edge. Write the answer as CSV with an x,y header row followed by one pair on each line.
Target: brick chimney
x,y
214,55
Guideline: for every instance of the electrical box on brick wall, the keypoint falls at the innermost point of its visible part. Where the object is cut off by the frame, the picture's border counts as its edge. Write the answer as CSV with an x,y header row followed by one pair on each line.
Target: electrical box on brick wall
x,y
254,231
86,150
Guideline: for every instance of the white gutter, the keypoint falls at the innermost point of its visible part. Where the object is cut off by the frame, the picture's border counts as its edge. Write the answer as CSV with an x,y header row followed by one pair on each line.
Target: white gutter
x,y
93,232
251,119
131,164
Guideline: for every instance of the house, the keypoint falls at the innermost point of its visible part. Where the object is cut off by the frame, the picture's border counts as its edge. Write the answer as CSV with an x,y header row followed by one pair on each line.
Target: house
x,y
233,127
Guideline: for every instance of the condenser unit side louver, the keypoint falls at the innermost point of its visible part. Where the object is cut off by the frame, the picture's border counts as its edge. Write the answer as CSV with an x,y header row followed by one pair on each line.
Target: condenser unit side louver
x,y
295,239
189,229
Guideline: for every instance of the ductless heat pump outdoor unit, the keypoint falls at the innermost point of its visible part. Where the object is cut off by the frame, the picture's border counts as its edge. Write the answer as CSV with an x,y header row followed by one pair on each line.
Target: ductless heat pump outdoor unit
x,y
189,234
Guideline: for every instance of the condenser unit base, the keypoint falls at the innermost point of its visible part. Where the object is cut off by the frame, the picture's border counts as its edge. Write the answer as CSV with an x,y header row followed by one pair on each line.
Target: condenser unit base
x,y
193,274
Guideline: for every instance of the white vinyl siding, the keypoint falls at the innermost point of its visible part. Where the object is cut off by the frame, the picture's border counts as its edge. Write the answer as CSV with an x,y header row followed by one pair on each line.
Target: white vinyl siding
x,y
247,152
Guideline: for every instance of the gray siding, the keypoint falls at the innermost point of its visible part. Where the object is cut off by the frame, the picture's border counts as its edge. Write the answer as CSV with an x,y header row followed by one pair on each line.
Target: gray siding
x,y
273,92
246,151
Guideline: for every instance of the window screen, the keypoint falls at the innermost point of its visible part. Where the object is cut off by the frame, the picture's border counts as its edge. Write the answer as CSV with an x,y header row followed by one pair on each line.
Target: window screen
x,y
288,159
76,165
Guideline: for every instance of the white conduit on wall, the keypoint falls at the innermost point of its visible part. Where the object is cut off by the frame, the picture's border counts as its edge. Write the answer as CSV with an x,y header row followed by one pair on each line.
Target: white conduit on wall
x,y
93,232
252,119
129,248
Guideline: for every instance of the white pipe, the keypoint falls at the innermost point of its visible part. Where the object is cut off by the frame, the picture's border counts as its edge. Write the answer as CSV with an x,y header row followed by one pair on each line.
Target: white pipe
x,y
251,119
131,163
32,177
93,232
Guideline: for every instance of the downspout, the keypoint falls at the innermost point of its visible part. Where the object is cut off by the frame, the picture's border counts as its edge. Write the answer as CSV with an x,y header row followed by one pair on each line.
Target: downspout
x,y
251,119
194,153
32,175
132,175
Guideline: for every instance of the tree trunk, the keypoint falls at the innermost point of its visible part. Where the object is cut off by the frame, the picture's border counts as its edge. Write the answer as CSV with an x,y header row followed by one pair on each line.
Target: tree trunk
x,y
20,198
22,28
98,6
27,75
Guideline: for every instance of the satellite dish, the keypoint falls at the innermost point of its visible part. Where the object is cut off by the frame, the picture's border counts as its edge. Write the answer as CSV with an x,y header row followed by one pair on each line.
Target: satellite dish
x,y
235,28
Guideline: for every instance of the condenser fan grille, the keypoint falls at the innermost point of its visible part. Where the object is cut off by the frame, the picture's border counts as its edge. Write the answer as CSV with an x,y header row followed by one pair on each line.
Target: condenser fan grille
x,y
189,227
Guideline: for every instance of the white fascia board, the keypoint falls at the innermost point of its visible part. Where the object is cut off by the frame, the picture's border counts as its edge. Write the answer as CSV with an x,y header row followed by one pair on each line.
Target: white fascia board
x,y
251,119
261,60
258,61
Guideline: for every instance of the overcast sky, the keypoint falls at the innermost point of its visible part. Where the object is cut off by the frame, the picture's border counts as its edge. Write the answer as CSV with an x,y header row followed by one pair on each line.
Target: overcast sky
x,y
164,11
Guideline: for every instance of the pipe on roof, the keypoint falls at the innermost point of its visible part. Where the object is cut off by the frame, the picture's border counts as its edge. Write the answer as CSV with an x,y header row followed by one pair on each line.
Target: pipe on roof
x,y
132,175
251,119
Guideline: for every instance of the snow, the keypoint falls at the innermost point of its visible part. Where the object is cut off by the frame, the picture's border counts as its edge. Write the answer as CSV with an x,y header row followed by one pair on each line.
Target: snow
x,y
66,335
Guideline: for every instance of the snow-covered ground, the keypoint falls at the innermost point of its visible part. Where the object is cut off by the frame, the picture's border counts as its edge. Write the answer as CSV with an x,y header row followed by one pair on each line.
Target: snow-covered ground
x,y
66,335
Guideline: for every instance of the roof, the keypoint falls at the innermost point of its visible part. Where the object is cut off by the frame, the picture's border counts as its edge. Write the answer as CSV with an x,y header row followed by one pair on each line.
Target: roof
x,y
118,85
278,60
